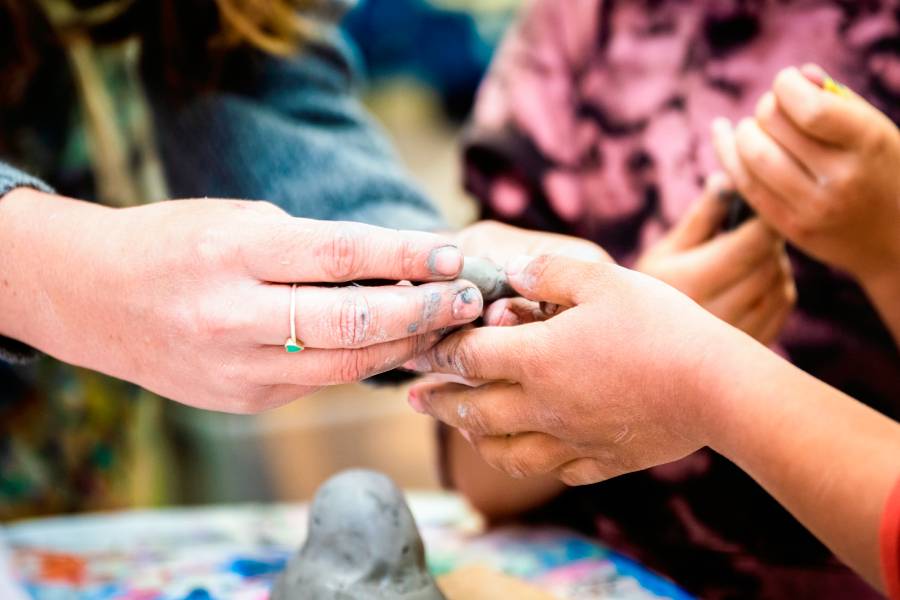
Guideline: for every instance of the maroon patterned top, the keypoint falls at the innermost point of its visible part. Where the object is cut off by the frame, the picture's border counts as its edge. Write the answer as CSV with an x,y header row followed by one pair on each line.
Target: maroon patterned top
x,y
594,121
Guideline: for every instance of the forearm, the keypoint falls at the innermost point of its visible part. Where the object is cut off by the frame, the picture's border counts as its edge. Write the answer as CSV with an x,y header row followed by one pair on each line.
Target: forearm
x,y
39,259
830,460
496,495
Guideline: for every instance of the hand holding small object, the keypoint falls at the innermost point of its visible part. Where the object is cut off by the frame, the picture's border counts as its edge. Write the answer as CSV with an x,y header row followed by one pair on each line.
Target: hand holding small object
x,y
192,299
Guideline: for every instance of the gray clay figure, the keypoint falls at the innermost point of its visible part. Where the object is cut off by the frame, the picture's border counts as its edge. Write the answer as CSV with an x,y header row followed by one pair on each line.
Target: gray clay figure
x,y
362,544
489,277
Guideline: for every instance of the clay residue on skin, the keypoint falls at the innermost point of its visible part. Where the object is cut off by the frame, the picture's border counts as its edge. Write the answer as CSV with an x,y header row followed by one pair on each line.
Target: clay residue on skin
x,y
430,307
468,295
362,543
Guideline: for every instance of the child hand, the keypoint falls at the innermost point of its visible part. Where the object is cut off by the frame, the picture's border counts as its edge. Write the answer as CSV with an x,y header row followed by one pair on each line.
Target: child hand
x,y
823,169
607,387
501,243
743,276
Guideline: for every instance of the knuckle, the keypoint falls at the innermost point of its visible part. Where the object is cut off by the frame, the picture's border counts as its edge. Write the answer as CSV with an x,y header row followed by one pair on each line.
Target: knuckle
x,y
267,208
472,418
800,226
424,344
233,376
460,357
516,464
554,422
353,365
539,266
342,257
814,115
408,257
352,320
843,182
581,472
250,402
210,322
747,184
213,245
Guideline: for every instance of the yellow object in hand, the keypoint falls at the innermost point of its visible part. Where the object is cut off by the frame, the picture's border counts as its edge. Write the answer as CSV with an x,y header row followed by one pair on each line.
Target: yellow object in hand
x,y
830,85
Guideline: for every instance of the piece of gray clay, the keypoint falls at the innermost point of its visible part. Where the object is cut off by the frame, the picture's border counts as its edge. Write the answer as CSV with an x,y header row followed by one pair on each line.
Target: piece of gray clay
x,y
362,544
489,277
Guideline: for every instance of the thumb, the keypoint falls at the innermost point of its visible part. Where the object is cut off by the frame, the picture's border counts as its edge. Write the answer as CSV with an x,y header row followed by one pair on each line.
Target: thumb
x,y
553,278
704,218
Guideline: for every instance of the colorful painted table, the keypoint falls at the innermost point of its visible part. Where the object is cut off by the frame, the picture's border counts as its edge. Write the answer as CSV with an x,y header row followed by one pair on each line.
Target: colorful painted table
x,y
235,552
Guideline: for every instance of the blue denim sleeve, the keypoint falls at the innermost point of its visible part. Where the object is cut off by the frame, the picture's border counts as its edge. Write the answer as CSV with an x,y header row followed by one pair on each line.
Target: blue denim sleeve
x,y
291,131
13,351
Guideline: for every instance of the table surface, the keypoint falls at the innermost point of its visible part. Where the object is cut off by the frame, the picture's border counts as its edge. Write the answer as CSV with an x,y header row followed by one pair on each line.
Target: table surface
x,y
235,552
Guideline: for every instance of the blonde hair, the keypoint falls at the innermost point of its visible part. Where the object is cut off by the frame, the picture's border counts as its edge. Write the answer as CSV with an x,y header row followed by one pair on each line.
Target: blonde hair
x,y
274,26
199,30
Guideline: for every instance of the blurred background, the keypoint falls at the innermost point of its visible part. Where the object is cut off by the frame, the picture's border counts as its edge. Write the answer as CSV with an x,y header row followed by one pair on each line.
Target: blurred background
x,y
423,60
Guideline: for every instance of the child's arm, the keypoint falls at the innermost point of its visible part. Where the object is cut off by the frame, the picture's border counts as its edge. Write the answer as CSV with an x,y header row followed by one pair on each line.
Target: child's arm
x,y
823,168
635,375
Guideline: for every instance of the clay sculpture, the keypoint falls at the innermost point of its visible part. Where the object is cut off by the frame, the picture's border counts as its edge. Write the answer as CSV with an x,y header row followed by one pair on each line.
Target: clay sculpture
x,y
362,544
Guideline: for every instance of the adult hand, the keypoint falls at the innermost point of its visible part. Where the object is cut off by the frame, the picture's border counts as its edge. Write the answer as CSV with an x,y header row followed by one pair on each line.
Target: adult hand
x,y
821,168
743,276
191,298
607,387
501,243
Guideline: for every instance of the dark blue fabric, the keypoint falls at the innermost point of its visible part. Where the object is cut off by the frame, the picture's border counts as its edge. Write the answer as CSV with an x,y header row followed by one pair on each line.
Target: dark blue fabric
x,y
291,132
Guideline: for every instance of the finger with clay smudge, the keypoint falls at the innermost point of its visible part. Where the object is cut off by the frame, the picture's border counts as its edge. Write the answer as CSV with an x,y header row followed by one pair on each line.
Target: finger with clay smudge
x,y
488,277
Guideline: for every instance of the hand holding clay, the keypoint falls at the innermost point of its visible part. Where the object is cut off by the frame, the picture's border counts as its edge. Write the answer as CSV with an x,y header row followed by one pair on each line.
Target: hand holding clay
x,y
742,276
191,299
489,246
822,169
362,543
610,386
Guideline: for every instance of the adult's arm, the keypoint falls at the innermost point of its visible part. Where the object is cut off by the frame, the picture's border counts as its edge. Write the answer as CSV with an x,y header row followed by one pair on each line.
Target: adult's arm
x,y
190,299
11,178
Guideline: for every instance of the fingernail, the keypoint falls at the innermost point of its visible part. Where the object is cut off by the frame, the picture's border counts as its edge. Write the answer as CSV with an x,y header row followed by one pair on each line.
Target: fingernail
x,y
446,261
815,73
467,305
466,435
415,401
518,264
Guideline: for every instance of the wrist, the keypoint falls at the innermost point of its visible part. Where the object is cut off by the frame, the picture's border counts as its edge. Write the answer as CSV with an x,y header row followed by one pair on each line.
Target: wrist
x,y
41,262
731,399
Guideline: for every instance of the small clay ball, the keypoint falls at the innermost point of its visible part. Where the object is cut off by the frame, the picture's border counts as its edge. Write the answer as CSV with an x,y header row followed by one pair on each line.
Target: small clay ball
x,y
362,543
489,277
